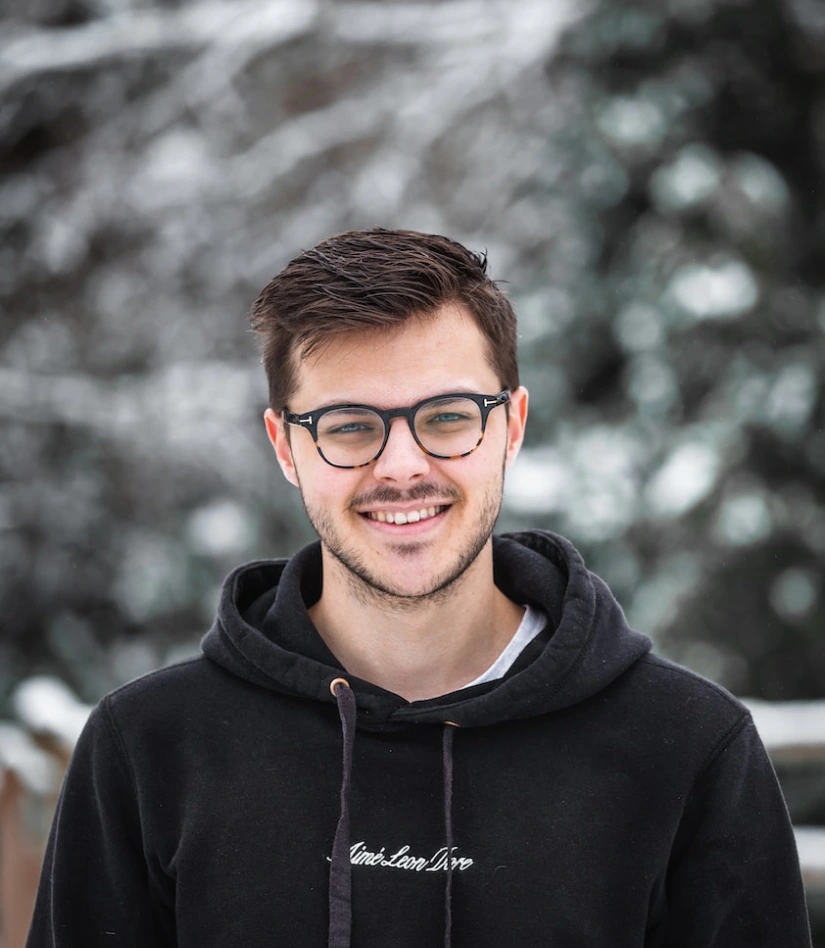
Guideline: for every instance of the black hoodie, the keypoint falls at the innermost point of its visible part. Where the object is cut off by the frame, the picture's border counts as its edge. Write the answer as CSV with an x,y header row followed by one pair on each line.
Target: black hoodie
x,y
595,797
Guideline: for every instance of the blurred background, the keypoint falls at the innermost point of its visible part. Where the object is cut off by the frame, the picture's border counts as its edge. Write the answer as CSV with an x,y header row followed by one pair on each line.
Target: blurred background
x,y
646,175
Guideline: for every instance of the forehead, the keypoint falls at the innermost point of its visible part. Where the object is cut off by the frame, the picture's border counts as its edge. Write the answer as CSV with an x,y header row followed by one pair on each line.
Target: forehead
x,y
426,356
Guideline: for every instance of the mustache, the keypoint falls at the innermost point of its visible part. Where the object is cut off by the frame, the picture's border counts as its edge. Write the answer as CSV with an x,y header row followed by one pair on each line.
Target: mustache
x,y
391,495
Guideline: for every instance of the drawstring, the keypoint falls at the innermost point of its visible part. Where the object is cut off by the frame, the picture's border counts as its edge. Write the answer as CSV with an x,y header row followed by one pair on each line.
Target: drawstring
x,y
340,872
447,759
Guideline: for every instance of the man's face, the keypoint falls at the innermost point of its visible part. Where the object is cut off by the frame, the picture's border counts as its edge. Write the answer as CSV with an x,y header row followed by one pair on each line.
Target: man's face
x,y
426,357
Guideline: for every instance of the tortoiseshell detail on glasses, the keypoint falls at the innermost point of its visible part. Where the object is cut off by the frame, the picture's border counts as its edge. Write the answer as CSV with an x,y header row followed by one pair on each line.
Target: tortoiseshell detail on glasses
x,y
310,420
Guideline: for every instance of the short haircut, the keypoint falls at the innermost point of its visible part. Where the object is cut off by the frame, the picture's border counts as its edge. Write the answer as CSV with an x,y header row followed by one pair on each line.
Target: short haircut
x,y
375,280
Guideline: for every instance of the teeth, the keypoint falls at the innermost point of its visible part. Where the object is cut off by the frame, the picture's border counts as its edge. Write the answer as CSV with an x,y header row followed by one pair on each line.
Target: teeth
x,y
401,517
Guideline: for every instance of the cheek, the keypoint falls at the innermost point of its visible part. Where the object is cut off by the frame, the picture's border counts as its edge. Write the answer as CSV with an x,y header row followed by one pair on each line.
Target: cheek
x,y
326,487
495,449
477,474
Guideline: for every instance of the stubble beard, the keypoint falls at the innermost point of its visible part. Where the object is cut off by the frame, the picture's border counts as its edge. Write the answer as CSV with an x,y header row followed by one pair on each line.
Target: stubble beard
x,y
371,589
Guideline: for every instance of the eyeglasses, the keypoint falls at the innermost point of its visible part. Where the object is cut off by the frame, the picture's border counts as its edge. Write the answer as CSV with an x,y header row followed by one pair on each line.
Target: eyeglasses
x,y
447,426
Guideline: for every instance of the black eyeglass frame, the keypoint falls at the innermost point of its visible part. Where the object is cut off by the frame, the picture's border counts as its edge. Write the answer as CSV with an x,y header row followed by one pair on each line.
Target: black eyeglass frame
x,y
486,403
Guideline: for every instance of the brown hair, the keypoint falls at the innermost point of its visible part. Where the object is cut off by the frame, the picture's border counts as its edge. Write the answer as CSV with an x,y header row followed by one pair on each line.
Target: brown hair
x,y
375,279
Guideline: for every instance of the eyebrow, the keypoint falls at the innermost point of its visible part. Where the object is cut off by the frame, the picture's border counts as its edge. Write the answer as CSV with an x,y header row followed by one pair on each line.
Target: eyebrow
x,y
457,390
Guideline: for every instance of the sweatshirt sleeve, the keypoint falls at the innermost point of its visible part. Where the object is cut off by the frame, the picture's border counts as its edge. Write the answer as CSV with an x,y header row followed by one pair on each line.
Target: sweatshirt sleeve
x,y
95,887
734,878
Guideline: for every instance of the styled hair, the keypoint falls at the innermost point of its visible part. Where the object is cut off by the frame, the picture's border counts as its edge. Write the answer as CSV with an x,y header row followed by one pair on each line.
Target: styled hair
x,y
375,279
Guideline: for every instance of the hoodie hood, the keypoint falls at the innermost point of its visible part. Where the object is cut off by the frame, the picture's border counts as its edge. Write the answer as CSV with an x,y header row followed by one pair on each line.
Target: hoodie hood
x,y
263,633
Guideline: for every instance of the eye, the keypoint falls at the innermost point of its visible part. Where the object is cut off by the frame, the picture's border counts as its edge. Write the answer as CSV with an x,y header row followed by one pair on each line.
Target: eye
x,y
454,411
351,427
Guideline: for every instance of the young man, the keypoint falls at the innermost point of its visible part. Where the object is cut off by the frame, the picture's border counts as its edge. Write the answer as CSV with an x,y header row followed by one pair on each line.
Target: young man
x,y
412,734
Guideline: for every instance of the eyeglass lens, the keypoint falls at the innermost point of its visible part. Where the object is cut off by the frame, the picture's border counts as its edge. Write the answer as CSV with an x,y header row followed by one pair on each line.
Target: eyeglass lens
x,y
446,427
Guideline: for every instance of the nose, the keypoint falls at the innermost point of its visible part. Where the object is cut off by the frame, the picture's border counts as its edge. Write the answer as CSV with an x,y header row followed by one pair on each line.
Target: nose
x,y
402,460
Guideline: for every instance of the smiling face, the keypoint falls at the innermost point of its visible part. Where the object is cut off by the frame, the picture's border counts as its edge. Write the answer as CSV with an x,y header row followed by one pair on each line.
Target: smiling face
x,y
408,525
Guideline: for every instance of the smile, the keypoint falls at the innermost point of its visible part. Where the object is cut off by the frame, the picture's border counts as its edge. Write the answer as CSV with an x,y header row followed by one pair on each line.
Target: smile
x,y
404,516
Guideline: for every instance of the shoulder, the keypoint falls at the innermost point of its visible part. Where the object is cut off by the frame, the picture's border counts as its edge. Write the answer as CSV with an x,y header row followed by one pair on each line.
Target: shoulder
x,y
169,683
683,688
189,696
666,711
691,700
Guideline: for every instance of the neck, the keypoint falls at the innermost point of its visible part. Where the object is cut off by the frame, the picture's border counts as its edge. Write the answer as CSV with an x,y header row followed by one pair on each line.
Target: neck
x,y
416,648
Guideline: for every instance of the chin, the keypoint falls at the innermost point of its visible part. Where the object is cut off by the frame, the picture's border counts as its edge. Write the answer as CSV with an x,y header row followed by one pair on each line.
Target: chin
x,y
407,585
409,572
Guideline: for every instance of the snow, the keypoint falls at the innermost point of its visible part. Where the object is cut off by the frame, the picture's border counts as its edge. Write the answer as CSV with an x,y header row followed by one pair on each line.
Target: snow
x,y
45,705
633,123
19,753
591,479
792,398
222,527
743,518
794,593
790,730
722,289
691,179
134,32
810,843
687,476
761,183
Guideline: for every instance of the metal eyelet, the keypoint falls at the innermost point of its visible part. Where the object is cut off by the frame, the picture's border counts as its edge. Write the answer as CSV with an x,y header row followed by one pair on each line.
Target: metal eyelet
x,y
338,681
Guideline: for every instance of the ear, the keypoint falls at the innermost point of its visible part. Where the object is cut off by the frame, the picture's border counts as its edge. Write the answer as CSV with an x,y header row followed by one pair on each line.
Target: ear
x,y
276,430
516,423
